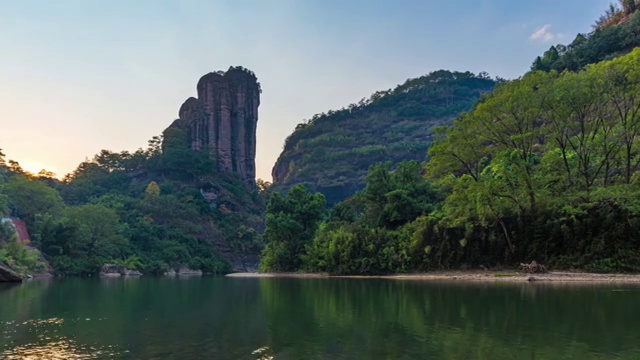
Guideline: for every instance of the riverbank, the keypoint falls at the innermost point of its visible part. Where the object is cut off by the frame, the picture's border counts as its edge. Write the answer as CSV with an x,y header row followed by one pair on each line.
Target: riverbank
x,y
511,276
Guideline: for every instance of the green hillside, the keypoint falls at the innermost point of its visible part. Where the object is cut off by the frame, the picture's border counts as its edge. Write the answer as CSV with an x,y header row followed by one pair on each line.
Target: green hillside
x,y
616,33
332,151
544,168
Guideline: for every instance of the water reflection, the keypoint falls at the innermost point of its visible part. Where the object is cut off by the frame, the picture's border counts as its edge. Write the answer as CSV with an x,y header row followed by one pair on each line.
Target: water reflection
x,y
347,318
43,339
280,319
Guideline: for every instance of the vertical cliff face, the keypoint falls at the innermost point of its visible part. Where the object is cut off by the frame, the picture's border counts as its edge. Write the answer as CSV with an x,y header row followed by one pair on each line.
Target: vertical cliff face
x,y
222,120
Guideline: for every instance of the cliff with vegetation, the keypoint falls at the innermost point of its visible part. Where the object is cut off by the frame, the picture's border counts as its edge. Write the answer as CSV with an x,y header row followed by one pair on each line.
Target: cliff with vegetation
x,y
186,201
331,152
546,168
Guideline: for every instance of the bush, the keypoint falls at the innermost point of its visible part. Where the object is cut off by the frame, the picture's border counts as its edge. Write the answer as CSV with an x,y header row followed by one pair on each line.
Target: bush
x,y
20,258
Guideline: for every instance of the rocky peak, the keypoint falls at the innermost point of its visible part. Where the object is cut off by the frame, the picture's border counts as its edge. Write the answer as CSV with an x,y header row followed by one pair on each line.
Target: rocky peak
x,y
223,119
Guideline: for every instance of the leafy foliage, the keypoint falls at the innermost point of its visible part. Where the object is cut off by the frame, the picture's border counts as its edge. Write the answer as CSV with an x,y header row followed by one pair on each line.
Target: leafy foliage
x,y
164,207
615,34
17,255
290,225
545,168
370,233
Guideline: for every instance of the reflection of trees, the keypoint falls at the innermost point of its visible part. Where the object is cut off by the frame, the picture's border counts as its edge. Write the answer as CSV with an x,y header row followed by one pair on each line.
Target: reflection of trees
x,y
20,301
346,318
232,318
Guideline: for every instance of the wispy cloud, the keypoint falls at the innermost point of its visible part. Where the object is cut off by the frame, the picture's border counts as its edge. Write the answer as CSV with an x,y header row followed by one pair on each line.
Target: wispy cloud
x,y
544,34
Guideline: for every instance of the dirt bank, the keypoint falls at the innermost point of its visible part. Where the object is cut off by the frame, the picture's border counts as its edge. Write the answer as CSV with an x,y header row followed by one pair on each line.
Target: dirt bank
x,y
515,276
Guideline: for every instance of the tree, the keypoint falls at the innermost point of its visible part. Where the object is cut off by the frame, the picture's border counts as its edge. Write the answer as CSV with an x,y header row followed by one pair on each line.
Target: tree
x,y
393,197
291,223
152,191
20,258
4,204
29,198
621,89
100,230
629,6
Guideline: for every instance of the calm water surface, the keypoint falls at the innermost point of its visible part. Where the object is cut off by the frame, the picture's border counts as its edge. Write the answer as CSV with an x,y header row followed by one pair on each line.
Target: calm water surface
x,y
243,318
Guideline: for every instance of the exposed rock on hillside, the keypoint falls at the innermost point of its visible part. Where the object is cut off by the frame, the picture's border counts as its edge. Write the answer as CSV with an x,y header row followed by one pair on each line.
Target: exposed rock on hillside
x,y
8,275
222,120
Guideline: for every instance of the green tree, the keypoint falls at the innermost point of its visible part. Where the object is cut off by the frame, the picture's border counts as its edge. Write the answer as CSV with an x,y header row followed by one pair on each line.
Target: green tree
x,y
100,230
20,258
29,198
291,223
628,6
152,191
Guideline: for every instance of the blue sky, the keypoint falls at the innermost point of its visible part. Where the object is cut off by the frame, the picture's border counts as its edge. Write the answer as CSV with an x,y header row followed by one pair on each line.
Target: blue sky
x,y
80,76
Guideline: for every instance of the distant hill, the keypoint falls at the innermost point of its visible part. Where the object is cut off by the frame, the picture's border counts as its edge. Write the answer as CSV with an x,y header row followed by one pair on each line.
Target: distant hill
x,y
332,151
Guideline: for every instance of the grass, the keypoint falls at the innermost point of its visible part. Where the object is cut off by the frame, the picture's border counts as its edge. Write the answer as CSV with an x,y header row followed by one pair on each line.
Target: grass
x,y
504,275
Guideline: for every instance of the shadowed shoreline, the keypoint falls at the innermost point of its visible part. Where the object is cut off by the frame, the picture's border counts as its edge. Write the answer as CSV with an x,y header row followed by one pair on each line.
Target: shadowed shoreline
x,y
490,276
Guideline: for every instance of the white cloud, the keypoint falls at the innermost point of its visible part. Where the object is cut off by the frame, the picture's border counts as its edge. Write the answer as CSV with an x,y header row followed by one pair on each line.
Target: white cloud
x,y
544,34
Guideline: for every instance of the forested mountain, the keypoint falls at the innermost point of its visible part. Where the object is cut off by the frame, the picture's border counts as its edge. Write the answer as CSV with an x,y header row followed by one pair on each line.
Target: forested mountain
x,y
332,151
616,33
544,168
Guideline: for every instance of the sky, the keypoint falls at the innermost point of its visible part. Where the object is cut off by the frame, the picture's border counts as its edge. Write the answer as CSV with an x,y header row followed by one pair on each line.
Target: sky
x,y
79,76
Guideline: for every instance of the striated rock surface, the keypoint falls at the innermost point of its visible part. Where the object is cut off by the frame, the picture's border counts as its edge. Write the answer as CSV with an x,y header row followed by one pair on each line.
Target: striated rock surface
x,y
8,275
223,119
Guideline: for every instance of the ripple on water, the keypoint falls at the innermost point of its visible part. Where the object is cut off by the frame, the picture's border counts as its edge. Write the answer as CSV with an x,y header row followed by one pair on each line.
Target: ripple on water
x,y
48,342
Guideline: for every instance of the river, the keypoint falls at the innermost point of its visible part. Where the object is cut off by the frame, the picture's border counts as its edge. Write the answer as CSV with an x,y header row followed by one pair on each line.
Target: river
x,y
297,318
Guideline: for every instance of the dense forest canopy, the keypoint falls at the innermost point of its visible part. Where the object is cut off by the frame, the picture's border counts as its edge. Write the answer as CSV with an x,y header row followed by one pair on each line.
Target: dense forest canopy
x,y
154,210
331,152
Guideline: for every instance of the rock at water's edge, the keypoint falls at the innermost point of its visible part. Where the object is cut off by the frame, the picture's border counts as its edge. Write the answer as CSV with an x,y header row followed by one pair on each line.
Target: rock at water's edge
x,y
112,270
8,275
183,271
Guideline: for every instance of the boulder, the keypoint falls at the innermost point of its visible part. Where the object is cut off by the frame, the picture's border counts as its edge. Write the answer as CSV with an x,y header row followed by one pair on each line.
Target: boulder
x,y
8,275
183,271
171,272
128,272
113,270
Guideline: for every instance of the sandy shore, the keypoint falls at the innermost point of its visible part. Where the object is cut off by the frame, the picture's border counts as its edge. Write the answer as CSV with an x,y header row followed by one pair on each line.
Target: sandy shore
x,y
511,276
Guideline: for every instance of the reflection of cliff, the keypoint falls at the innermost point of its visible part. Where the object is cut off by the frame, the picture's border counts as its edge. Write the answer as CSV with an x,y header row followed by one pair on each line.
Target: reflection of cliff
x,y
223,118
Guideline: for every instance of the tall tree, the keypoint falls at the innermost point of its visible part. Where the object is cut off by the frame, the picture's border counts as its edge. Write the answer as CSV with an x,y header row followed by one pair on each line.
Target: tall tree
x,y
629,6
29,198
292,221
